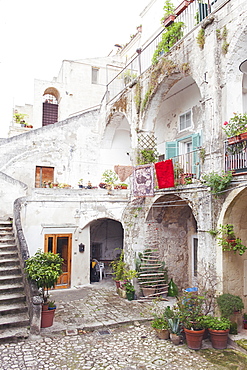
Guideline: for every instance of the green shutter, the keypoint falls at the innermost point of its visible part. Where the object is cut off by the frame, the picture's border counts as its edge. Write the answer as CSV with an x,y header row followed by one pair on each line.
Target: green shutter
x,y
196,142
171,149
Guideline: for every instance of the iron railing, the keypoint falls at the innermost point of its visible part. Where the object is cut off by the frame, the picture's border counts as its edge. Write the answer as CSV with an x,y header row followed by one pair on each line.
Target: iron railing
x,y
191,16
236,157
187,166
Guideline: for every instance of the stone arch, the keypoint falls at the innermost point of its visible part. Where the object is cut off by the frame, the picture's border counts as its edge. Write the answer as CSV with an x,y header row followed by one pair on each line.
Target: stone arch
x,y
51,98
105,240
116,142
232,268
172,229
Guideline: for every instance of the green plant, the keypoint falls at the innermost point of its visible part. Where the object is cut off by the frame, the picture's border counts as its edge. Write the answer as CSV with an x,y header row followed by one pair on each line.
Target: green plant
x,y
216,323
160,323
118,267
174,325
202,154
51,304
233,328
80,182
190,310
201,38
236,125
217,182
245,316
168,9
109,177
128,75
19,117
129,287
213,232
173,33
45,269
228,241
146,156
228,304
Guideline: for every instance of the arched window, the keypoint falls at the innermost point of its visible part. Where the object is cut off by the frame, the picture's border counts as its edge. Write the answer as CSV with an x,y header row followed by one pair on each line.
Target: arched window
x,y
50,106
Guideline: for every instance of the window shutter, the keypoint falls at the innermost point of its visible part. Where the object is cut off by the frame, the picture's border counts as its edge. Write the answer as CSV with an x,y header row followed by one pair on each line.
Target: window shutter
x,y
171,149
196,142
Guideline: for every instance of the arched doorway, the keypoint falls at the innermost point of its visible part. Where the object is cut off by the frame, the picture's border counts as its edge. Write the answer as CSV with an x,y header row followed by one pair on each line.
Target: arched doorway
x,y
106,241
172,230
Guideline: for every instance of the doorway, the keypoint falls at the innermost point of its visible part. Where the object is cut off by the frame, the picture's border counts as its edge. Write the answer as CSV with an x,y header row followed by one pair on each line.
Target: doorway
x,y
61,244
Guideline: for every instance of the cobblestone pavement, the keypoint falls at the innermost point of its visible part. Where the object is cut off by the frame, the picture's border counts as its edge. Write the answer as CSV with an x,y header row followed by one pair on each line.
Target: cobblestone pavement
x,y
96,329
126,347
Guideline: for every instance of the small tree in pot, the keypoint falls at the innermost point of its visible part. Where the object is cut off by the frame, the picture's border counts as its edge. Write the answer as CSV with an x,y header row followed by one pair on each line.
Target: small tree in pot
x,y
44,269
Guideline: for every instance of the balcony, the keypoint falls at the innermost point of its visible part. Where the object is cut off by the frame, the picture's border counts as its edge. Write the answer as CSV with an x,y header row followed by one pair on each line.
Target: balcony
x,y
191,15
187,167
236,157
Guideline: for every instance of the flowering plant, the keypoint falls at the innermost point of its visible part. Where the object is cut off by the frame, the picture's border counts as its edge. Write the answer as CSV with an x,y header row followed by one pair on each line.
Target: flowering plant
x,y
236,125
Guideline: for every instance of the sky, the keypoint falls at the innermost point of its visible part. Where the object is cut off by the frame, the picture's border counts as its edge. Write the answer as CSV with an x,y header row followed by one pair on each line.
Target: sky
x,y
36,36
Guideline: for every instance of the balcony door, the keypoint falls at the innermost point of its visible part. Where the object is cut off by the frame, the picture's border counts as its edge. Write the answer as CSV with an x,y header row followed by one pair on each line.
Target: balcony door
x,y
61,244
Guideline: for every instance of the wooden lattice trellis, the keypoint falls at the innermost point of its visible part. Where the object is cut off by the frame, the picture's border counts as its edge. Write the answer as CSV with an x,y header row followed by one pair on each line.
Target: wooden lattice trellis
x,y
147,149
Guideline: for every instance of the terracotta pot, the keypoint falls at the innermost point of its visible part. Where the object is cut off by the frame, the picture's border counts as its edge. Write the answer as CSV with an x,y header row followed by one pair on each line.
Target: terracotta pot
x,y
245,324
219,338
181,7
162,333
47,318
169,20
194,338
243,136
148,291
175,338
45,306
234,139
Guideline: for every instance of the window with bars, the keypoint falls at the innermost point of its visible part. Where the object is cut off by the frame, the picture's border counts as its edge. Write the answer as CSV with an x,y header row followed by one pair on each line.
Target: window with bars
x,y
50,110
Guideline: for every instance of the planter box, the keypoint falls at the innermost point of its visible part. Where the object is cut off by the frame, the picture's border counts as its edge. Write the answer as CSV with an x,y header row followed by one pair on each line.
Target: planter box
x,y
184,4
243,136
169,20
234,139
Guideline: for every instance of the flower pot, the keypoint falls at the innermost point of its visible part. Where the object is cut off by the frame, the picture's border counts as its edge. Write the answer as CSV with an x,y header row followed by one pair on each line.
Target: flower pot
x,y
47,318
169,20
234,139
181,7
219,338
175,338
162,333
243,136
45,306
130,295
194,338
245,324
148,291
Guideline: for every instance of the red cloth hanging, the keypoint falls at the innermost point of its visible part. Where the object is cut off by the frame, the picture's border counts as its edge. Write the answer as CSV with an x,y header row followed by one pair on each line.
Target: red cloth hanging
x,y
165,174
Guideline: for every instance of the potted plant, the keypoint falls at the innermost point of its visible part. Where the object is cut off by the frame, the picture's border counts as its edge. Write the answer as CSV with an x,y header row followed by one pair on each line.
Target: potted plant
x,y
109,177
236,128
219,329
80,183
245,320
130,290
123,185
169,15
228,240
160,325
175,329
190,311
119,268
44,269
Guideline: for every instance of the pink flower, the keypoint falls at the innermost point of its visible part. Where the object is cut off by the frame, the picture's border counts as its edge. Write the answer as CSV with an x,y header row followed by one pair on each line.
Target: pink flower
x,y
225,123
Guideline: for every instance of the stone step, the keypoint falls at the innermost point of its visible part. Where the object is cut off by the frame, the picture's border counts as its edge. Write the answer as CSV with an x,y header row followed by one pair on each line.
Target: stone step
x,y
10,321
11,288
9,270
5,247
13,308
8,254
7,240
10,262
11,298
9,280
13,334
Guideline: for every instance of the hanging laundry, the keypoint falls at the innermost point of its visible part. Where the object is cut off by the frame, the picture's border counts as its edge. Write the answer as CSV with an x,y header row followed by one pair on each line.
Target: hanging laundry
x,y
143,181
123,172
165,174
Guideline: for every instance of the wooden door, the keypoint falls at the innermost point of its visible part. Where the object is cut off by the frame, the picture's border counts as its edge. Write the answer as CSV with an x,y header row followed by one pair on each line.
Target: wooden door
x,y
61,244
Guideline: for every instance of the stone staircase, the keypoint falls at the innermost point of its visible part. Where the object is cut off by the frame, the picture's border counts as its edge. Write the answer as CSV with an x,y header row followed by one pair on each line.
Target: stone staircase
x,y
14,319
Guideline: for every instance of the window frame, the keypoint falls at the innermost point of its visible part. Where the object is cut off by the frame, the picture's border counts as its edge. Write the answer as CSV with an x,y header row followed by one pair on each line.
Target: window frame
x,y
179,121
95,75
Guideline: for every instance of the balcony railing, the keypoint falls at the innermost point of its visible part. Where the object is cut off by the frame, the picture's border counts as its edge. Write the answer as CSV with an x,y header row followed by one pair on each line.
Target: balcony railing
x,y
187,167
190,16
236,157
